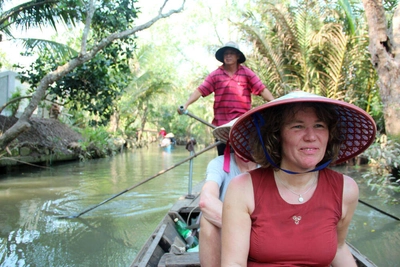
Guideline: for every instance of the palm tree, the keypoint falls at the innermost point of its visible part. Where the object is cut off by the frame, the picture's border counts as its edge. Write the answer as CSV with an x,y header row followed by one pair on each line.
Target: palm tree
x,y
136,105
301,47
39,14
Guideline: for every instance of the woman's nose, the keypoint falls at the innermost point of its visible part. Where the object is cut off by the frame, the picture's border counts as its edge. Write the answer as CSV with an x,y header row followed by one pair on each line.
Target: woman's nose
x,y
310,134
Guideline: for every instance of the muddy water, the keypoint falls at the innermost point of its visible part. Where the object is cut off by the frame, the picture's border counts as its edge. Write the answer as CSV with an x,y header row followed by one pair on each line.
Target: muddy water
x,y
32,232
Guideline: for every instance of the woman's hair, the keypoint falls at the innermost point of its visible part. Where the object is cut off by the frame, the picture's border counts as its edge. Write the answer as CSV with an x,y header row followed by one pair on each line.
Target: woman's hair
x,y
271,132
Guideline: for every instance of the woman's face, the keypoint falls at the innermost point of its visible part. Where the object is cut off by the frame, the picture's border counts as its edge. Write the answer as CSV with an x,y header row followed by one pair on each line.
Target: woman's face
x,y
304,140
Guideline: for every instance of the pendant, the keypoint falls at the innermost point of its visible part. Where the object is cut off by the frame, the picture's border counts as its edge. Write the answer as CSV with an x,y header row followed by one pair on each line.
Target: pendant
x,y
301,199
296,219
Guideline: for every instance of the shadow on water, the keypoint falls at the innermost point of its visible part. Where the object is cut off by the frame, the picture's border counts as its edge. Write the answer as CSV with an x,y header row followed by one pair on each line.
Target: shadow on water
x,y
31,233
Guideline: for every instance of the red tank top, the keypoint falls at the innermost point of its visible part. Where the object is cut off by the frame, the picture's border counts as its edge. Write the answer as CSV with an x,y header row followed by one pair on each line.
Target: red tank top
x,y
285,234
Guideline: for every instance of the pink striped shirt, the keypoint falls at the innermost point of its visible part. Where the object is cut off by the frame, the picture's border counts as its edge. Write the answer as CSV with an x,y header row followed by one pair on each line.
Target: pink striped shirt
x,y
232,95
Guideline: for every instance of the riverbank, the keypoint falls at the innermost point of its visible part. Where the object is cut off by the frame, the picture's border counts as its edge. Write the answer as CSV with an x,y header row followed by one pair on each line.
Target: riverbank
x,y
47,140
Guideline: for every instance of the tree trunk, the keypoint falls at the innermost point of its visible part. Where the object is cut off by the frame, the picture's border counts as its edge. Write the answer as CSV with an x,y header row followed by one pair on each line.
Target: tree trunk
x,y
384,46
143,122
114,122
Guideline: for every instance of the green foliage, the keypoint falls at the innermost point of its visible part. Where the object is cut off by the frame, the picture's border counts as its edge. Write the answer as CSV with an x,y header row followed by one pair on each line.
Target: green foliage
x,y
14,106
95,85
384,176
4,63
144,102
97,143
38,13
112,16
304,46
92,86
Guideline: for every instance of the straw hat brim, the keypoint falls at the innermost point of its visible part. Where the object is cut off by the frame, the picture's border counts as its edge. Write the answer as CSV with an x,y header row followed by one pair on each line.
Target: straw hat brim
x,y
170,135
357,127
222,132
219,55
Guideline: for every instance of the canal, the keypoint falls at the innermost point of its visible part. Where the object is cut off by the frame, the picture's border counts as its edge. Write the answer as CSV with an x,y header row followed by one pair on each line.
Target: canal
x,y
33,204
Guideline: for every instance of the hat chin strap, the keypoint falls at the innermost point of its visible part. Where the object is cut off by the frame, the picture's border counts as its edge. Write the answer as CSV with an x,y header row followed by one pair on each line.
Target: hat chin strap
x,y
259,121
227,157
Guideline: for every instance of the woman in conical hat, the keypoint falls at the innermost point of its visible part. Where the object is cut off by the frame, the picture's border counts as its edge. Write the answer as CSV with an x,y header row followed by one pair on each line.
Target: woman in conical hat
x,y
294,211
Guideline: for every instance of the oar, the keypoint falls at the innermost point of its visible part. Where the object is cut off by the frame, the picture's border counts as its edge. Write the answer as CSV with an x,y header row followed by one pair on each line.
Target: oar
x,y
195,117
142,182
381,211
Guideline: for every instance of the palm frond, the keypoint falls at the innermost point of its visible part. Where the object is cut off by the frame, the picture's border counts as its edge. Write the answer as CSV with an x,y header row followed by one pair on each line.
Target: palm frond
x,y
59,50
350,19
40,13
333,42
269,56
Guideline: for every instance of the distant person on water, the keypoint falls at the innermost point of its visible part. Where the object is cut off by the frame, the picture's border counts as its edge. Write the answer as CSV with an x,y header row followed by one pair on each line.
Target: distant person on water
x,y
162,133
219,173
293,210
232,85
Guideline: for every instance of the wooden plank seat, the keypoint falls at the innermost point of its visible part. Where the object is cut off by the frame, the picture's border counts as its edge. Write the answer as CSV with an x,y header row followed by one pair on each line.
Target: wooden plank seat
x,y
187,259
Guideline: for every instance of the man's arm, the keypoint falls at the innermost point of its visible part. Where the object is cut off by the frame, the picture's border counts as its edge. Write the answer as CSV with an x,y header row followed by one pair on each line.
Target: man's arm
x,y
210,225
210,204
192,98
266,95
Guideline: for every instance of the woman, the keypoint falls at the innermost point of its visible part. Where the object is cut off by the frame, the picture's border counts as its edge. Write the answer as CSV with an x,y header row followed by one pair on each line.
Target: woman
x,y
294,211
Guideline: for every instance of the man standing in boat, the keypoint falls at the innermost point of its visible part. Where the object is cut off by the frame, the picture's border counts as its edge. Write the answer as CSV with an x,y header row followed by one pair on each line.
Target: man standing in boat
x,y
232,85
219,173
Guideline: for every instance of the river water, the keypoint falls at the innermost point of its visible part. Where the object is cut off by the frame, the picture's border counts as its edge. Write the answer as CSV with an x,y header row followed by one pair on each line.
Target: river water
x,y
34,203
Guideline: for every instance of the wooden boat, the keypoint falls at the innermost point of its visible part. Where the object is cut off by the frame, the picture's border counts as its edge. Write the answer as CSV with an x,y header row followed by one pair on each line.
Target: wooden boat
x,y
166,248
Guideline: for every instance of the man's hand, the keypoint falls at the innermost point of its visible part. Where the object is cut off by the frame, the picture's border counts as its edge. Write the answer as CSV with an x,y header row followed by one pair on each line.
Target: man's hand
x,y
182,110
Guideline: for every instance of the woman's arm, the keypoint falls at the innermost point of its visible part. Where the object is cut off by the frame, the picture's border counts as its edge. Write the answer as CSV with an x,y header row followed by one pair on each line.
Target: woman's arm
x,y
237,207
350,199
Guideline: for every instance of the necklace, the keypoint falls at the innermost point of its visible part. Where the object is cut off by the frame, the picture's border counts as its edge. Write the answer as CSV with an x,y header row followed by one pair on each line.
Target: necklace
x,y
300,199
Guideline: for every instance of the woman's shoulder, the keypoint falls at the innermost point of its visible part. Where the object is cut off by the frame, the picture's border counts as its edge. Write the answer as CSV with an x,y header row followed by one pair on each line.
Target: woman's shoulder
x,y
350,189
241,183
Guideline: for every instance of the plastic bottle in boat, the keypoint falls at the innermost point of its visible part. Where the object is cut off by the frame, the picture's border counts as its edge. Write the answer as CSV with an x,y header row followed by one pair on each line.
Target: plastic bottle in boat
x,y
187,234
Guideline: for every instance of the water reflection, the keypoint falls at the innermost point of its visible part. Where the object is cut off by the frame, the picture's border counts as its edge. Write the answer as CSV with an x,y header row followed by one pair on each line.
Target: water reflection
x,y
31,203
373,233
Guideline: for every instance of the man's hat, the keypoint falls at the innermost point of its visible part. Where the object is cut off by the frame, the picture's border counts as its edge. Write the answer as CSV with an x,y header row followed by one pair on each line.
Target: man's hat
x,y
219,55
170,135
357,127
